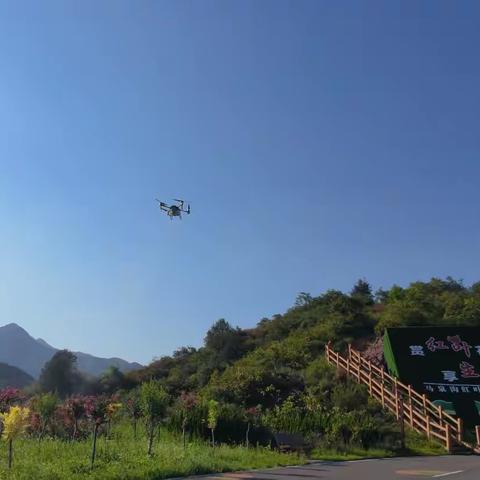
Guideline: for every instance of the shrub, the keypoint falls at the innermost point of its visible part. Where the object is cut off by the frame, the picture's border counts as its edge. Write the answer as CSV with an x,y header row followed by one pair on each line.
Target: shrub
x,y
14,425
154,401
45,406
212,418
96,409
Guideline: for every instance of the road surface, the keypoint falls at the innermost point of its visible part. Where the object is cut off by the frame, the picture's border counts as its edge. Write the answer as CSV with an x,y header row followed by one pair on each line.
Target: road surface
x,y
455,467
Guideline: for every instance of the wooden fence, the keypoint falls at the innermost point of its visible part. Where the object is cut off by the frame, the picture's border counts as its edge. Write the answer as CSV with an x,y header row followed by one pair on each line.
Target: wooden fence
x,y
402,400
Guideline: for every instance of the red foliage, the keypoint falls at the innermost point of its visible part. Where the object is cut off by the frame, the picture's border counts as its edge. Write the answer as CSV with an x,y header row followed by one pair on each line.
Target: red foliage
x,y
96,408
10,396
188,400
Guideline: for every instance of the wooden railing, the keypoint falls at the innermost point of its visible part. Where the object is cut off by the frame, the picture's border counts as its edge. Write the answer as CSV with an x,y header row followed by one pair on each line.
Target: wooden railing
x,y
402,400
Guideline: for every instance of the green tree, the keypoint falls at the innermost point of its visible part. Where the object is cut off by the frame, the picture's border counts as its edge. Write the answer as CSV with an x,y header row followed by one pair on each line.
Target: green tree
x,y
154,401
303,299
212,418
45,405
363,292
112,379
224,341
60,374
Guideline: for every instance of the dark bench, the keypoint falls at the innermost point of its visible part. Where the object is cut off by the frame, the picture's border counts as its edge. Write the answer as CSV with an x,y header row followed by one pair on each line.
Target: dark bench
x,y
289,442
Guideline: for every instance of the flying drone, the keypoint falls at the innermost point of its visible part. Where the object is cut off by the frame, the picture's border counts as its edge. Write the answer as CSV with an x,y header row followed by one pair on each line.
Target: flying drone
x,y
175,210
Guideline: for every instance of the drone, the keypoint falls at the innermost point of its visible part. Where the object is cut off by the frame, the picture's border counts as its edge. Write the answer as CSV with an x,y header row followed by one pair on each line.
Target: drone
x,y
174,210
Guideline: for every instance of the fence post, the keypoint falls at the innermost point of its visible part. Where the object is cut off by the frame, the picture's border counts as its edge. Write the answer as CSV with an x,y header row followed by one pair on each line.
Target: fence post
x,y
477,431
349,357
402,426
460,429
448,442
424,397
396,399
440,414
352,362
359,365
410,404
383,388
370,388
427,418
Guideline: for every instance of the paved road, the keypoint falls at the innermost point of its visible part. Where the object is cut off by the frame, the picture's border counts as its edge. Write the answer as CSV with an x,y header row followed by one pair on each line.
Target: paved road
x,y
456,467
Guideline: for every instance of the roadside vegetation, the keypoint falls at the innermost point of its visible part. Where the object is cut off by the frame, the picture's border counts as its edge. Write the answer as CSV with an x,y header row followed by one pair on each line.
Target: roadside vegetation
x,y
120,456
218,407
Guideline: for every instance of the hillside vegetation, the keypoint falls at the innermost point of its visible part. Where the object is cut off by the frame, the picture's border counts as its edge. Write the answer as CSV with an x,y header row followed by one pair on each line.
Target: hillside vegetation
x,y
278,368
219,407
282,356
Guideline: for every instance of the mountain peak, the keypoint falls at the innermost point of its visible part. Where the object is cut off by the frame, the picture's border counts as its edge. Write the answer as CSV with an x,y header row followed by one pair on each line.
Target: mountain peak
x,y
12,325
14,328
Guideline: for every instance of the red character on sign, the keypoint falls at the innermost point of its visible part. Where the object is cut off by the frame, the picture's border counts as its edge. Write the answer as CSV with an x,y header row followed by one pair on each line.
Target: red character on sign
x,y
468,371
433,344
458,344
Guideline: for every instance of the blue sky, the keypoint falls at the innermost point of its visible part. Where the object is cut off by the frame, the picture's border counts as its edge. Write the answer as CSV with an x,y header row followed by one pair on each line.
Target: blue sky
x,y
319,142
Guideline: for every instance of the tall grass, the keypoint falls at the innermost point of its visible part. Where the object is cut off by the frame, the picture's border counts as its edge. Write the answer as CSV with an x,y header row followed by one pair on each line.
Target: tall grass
x,y
123,458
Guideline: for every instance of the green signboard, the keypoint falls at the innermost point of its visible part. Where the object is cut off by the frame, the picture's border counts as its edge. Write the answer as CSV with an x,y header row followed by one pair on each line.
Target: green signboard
x,y
442,362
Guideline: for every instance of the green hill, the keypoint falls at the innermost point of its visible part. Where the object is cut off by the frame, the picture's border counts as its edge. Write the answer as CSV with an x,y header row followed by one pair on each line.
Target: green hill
x,y
278,368
280,353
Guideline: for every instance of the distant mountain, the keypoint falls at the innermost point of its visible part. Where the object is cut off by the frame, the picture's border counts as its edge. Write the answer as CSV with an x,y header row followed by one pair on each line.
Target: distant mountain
x,y
13,377
19,349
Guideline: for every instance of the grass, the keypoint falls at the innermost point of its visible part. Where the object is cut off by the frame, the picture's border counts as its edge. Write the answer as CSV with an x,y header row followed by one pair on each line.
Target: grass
x,y
415,445
352,453
123,458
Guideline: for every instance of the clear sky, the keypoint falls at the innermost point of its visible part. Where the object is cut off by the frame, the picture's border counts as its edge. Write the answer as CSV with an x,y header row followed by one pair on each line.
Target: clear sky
x,y
319,142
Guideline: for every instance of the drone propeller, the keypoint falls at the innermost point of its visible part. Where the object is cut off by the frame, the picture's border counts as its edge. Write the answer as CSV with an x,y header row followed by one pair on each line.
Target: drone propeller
x,y
162,204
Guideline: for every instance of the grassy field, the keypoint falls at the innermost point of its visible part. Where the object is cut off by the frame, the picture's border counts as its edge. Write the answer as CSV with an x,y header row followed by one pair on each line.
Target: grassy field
x,y
123,458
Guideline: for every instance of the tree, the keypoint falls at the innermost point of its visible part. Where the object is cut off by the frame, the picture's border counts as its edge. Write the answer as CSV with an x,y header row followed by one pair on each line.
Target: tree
x,y
15,423
381,296
303,299
187,403
224,341
134,409
97,410
112,380
45,406
212,418
75,409
9,396
113,409
60,374
363,292
154,401
252,417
